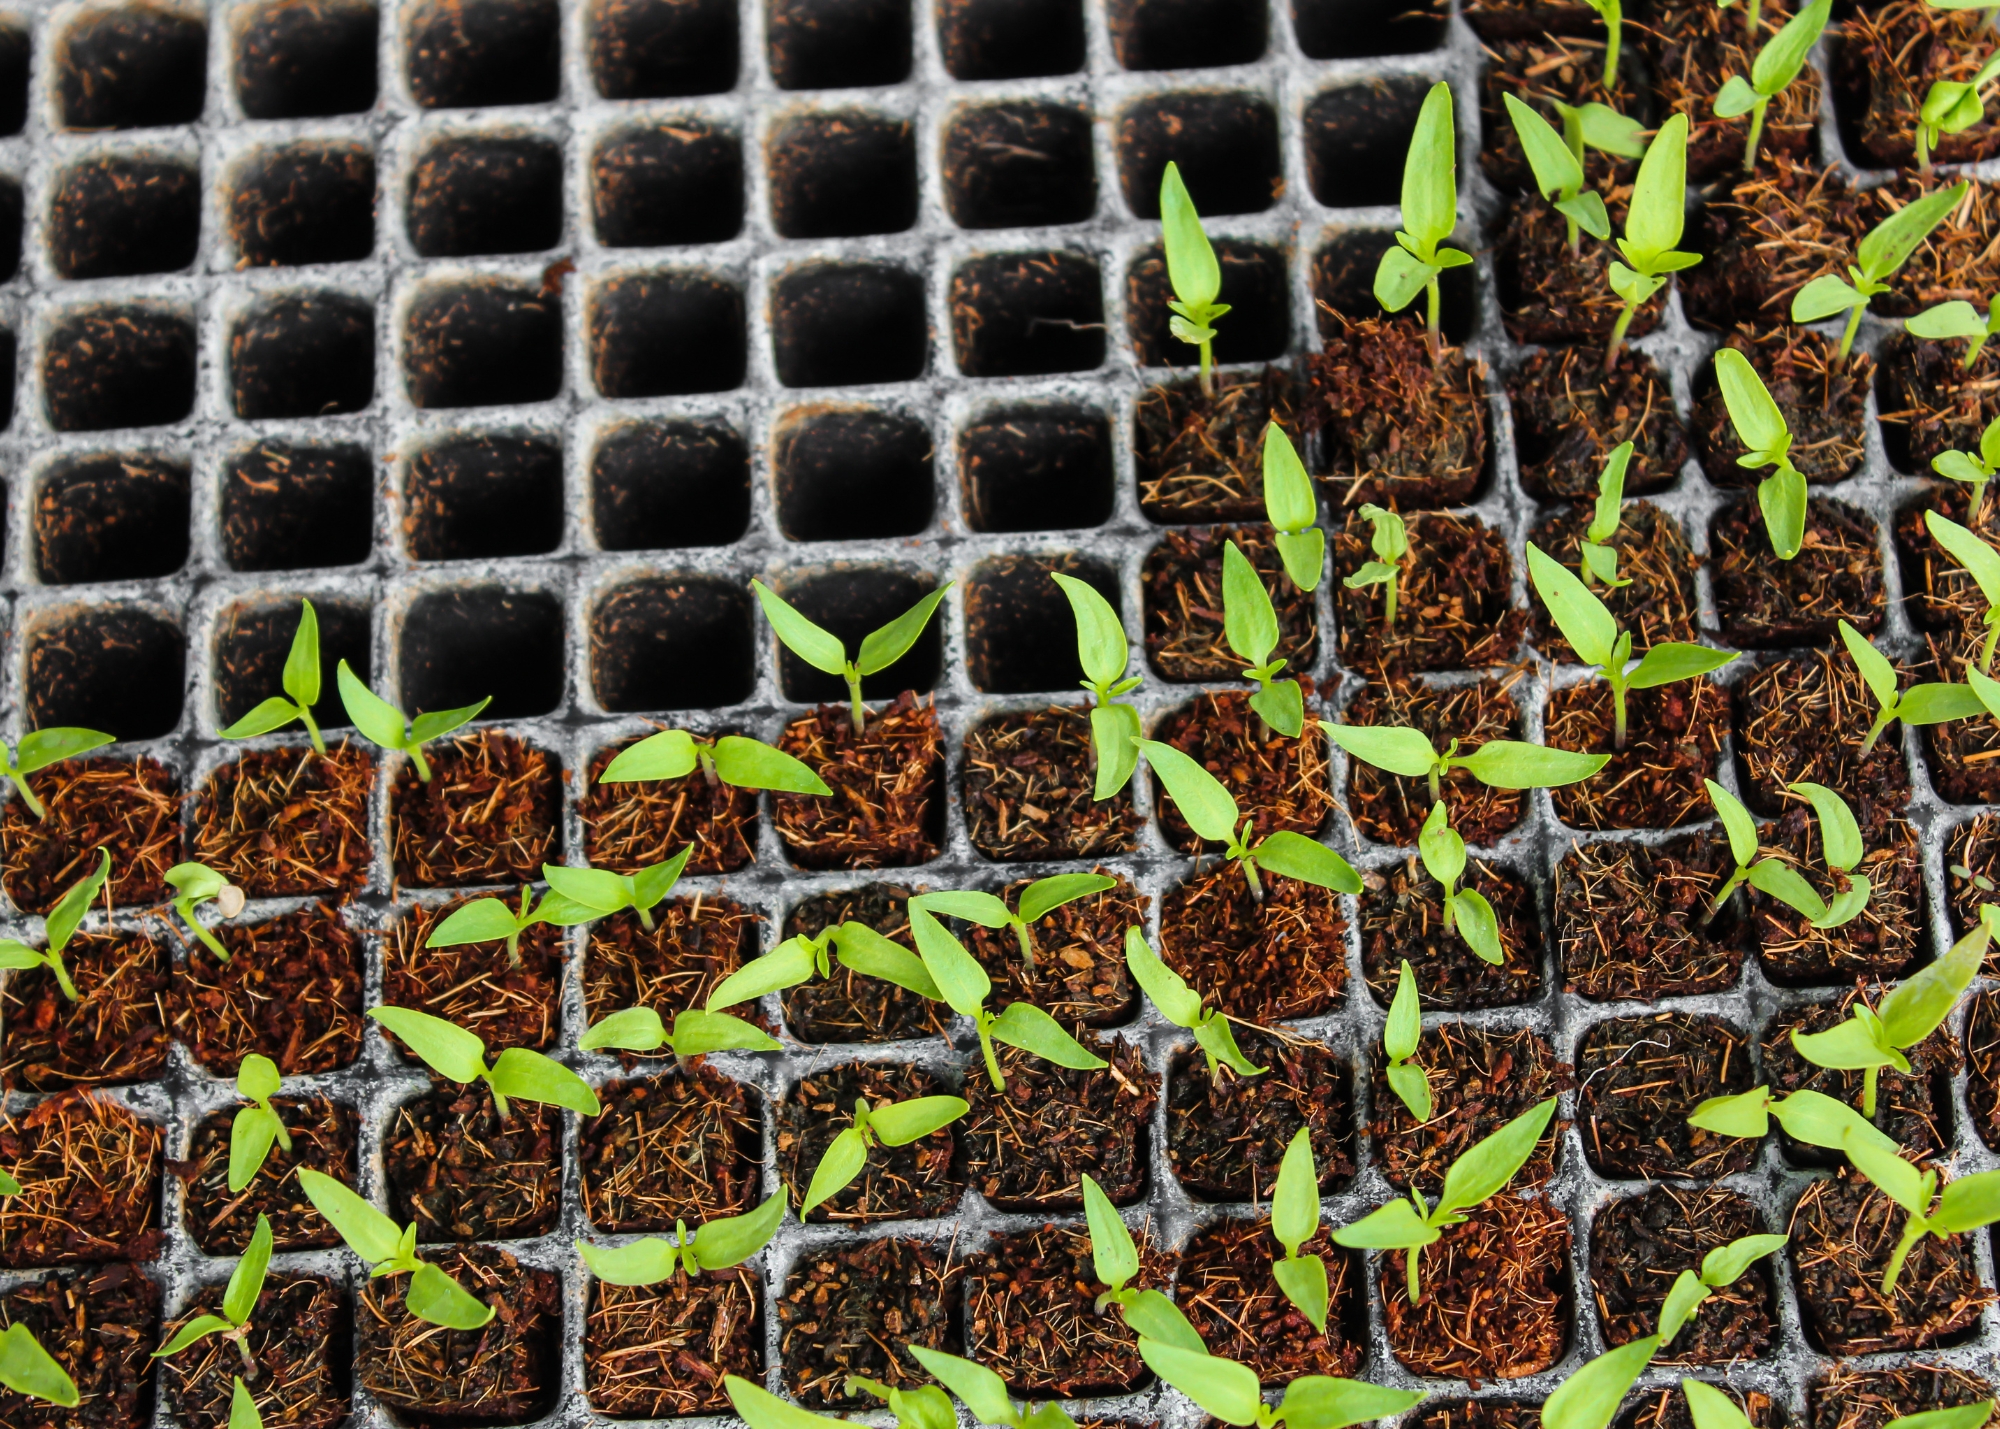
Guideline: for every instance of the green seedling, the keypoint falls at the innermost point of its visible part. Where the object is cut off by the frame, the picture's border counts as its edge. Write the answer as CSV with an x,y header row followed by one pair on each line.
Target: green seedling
x,y
1181,1005
1840,846
196,884
985,1393
1557,163
964,987
59,927
239,1299
1982,563
1293,510
733,760
1720,1268
1952,107
925,1407
1751,14
1250,624
1430,212
243,1407
1777,64
1595,559
1210,810
1479,1174
1498,763
1589,1398
1465,909
38,751
887,1124
300,682
1761,427
460,1056
1743,844
1192,270
1114,1261
27,1368
1038,900
1920,704
1967,1203
718,1245
1390,543
1653,225
1811,1117
1400,1036
1103,651
1886,248
1232,1392
576,896
1959,319
487,920
383,724
256,1126
1613,15
433,1296
1294,1221
694,1034
1975,469
796,960
823,650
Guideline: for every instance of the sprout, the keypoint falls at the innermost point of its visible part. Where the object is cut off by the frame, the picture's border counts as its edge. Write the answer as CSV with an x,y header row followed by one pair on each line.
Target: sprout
x,y
1955,319
1593,632
460,1056
1967,1203
602,893
964,986
695,1034
1181,1005
487,920
27,1368
1293,509
1498,763
926,1407
1974,469
1613,16
1653,225
1192,270
383,724
889,1123
1557,162
1886,248
1430,212
1443,854
1390,543
1775,67
258,1125
1480,1173
1250,625
794,961
246,1283
1920,704
723,1242
1114,1260
433,1296
300,681
1400,1036
38,751
1808,1116
1721,1267
1760,426
59,927
1952,107
1595,559
1038,900
243,1408
985,1393
1103,651
822,649
1840,842
1294,1221
197,883
1210,810
1232,1392
1982,563
733,760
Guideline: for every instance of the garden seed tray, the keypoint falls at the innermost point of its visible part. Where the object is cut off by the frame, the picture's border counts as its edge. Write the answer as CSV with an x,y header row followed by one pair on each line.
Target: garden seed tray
x,y
801,261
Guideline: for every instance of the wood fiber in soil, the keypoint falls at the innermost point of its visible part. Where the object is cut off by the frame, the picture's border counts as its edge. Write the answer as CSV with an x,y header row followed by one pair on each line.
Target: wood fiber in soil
x,y
1765,238
100,1324
1265,962
1666,1408
1079,974
298,1337
1027,1146
1931,403
90,1183
1963,752
1226,1289
1480,1080
658,1351
630,826
474,984
462,1173
1638,1081
1202,458
1805,719
1843,1232
1402,916
1692,47
1641,1244
1182,580
847,1304
887,808
1278,782
131,807
682,1146
1882,942
291,990
1868,1399
1887,60
695,944
1914,1110
1629,919
1398,429
848,1007
1391,809
1570,415
1653,554
222,1221
1031,1316
1547,294
1478,1413
1543,69
285,823
1939,593
1496,1294
1824,402
1974,847
1674,734
913,1182
1028,790
1766,603
1454,599
1227,1134
492,813
115,1032
503,1373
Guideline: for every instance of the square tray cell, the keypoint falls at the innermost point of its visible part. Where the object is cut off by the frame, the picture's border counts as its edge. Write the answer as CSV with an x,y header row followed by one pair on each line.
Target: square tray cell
x,y
1186,34
1226,146
658,485
1020,633
111,517
672,644
136,67
667,184
837,44
288,506
1019,165
1025,314
1358,29
1256,284
123,214
303,355
848,324
1037,469
842,173
116,668
667,335
461,645
1356,136
472,54
16,51
252,642
483,498
299,59
108,367
1010,39
662,49
482,344
1343,279
497,195
851,475
850,601
303,204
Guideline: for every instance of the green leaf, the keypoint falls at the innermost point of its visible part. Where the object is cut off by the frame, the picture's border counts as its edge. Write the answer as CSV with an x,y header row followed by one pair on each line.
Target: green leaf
x,y
1736,98
1304,555
761,1409
1725,1265
787,965
1984,688
1839,833
1102,647
1746,1114
368,1233
981,908
1213,1035
436,725
731,1240
1249,623
1710,1408
1965,1416
1399,278
1935,704
1317,1401
1114,1257
1224,1388
1819,1120
250,1138
867,952
983,1391
1585,623
1511,764
1281,705
63,919
1293,855
1672,661
643,1262
1759,424
1823,297
1295,1199
1303,1282
1191,265
837,1168
1023,1025
246,1282
243,1407
1893,1176
1980,560
195,1330
1969,1203
1590,1397
1956,319
697,1033
1371,573
1588,212
1440,847
666,755
1780,61
1153,1315
1114,734
1920,1003
901,1123
1478,926
1430,189
44,747
379,721
1556,170
1781,497
1683,1300
300,679
435,1297
1846,905
27,1368
1659,196
929,1407
196,881
1045,895
751,764
1876,671
1889,245
1787,887
1632,287
1396,1226
489,920
884,647
1606,130
819,648
1405,1027
521,1073
1610,495
1396,749
1959,466
20,955
1166,989
1289,499
1208,807
592,887
1413,1088
274,713
446,1048
1494,1161
962,983
257,1077
654,882
1846,1046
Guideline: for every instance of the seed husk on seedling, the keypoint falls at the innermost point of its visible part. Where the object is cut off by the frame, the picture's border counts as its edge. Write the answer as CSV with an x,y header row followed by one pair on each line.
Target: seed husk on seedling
x,y
886,1123
1400,1036
1920,704
1430,212
1181,1005
1103,650
721,1243
695,1033
963,986
1952,107
823,650
1595,559
433,1296
27,1368
1114,1261
1959,319
1293,509
256,1126
1760,426
1777,64
1192,270
300,682
1250,625
1232,1392
196,884
239,1299
460,1056
59,927
383,724
1557,162
1390,543
861,949
1498,763
735,760
1653,225
39,750
1982,563
1038,900
1967,1204
1886,248
1211,811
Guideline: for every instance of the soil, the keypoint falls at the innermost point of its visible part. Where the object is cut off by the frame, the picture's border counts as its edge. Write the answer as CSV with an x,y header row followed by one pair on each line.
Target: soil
x,y
1962,751
299,1335
1805,719
1868,1399
116,1032
1938,592
1029,785
1888,59
1480,1080
1227,1134
627,827
1202,458
695,944
131,807
1629,919
1974,847
848,1007
1391,809
291,990
1454,599
90,1178
1031,1314
1079,975
1766,603
1666,1408
682,1146
101,1325
1843,1231
1478,1413
1026,1147
1638,1080
1824,403
658,1351
1182,579
1402,916
492,813
1884,941
1982,1053
1915,1110
1653,554
1931,403
502,1373
912,1182
1504,1270
1674,734
1692,48
846,1304
1544,69
1227,1291
1769,236
1547,294
323,1136
474,984
887,808
462,1173
282,823
1264,962
1570,415
1279,782
1641,1244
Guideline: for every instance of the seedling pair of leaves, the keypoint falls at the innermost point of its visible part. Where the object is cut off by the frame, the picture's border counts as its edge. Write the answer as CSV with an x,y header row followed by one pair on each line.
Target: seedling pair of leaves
x,y
1967,1204
1959,319
1430,213
718,1245
1181,1005
1596,558
1293,509
963,986
1920,704
59,927
37,751
575,896
1761,427
195,884
1211,811
694,1034
796,960
1498,763
432,1296
1400,1036
889,1124
1777,64
1193,273
823,650
1038,900
239,1299
1982,563
1973,469
1390,543
1840,845
300,682
1886,248
1951,107
1653,225
258,1125
1557,162
460,1056
926,1407
735,760
383,724
1250,624
1103,651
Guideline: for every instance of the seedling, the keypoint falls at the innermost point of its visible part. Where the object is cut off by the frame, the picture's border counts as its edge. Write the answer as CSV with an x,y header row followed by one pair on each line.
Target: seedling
x,y
256,1126
1886,248
1192,270
432,1296
1430,212
1293,509
59,927
488,920
576,896
1103,651
890,1124
723,1242
1593,632
1952,107
1181,1005
385,725
823,650
1595,559
1250,624
1479,1174
1653,227
1466,909
1498,763
1975,469
926,1407
1967,1203
38,751
1751,13
1038,900
196,884
985,1393
1771,73
1114,1261
1400,1036
1558,167
695,1033
1294,1221
1210,810
964,987
27,1368
1920,704
1720,1268
239,1299
1760,426
1840,845
460,1056
1233,1394
1390,543
1958,319
733,760
1982,563
300,681
1589,1398
797,959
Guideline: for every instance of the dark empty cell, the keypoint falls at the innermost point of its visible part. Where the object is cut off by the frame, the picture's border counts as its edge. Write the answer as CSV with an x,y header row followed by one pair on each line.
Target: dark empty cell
x,y
842,174
1356,136
117,669
1225,144
118,367
667,334
1019,166
134,68
658,485
471,54
667,184
251,644
303,355
662,49
480,498
1186,34
482,344
850,601
471,196
287,507
1037,469
837,44
459,646
1020,633
1358,29
1010,39
851,475
1343,278
124,214
672,645
1255,284
14,55
12,211
8,357
1019,314
297,59
111,518
306,203
848,324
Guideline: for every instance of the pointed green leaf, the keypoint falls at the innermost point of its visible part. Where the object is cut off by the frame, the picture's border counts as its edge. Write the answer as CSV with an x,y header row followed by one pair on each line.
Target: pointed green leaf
x,y
1291,855
865,951
1936,703
1512,764
592,887
1303,1282
1045,895
1304,555
1589,1398
1281,705
1114,735
666,755
1295,1200
1824,297
818,648
368,1233
1876,671
1659,195
1208,807
1224,1388
44,747
961,982
1249,622
1317,1401
1289,499
1153,1315
1889,245
1412,1087
1588,212
981,908
1102,647
1023,1025
1405,1026
1893,1176
1956,319
250,1138
1846,1046
1215,1038
435,1297
1494,1161
446,1048
301,675
751,764
379,721
983,1391
1819,1120
1781,498
243,1407
1478,925
1580,615
787,965
1965,1416
1114,1257
437,724
1430,189
1759,424
257,1077
731,1240
1736,98
1710,1408
697,1033
837,1169
194,1331
274,713
1787,887
1166,989
1683,1300
1191,266
1744,1115
1920,1003
1399,277
1839,833
1672,661
1724,1266
901,1123
1969,1203
63,919
1780,61
1555,167
27,1368
246,1282
489,920
761,1409
527,1075
643,1262
884,647
1396,749
1396,1226
1980,560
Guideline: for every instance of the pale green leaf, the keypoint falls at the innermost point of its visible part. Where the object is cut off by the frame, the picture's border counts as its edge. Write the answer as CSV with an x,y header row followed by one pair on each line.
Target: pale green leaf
x,y
446,1048
1683,1300
1781,498
1785,885
1191,266
1937,703
1955,319
761,1409
1725,1265
1396,749
865,951
901,1123
1399,278
1659,195
300,678
1248,621
1405,1027
243,1407
1493,1161
1102,647
1824,297
274,713
787,965
984,909
250,1136
666,755
1114,1257
1876,671
368,1233
1555,167
1980,560
1840,835
1820,1120
884,647
1304,555
1965,1416
1590,629
819,648
1166,989
1045,895
1396,1226
1736,98
194,1331
1512,764
488,920
1780,61
527,1075
1744,1115
1589,1398
837,1169
1291,855
1303,1282
1224,1388
436,1298
1023,1025
1208,807
1478,925
1318,1401
1289,499
1846,1046
1893,1176
1969,1203
1440,847
1919,1004
378,720
27,1368
1672,661
983,1391
697,1033
437,724
731,1240
246,1282
751,764
1153,1315
643,1262
1710,1408
63,919
43,747
961,982
1759,424
1295,1199
1114,735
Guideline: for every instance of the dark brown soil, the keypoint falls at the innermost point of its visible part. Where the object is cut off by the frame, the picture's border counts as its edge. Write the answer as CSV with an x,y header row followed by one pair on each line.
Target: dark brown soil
x,y
1505,1271
474,984
1692,48
1958,258
1653,554
695,944
1843,1231
844,1306
1477,1414
1226,1289
1202,458
1513,19
1767,603
90,1183
1031,1315
848,1007
1915,1110
1079,975
1674,734
1931,403
1402,916
492,813
1939,593
1638,1081
1543,69
282,823
1982,1055
291,990
658,1351
1764,239
115,1032
682,1146
1806,719
1824,403
462,1173
1641,1244
630,826
1391,809
1962,751
1182,577
1666,1408
887,808
1480,1080
1882,942
221,1221
1869,1399
100,1324
1027,1147
1888,59
1570,415
299,1334
912,1182
1262,962
1227,1134
1454,599
502,1373
1629,919
1547,294
1399,429
131,807
1029,785
1278,782
1973,846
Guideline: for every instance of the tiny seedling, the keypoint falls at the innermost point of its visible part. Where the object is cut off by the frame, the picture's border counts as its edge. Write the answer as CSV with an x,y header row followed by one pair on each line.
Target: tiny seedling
x,y
1232,1392
925,1407
1982,563
823,650
733,759
963,986
1390,543
27,1368
59,927
239,1299
41,749
1761,427
1400,1036
1920,704
1430,212
1192,270
1774,69
1720,1268
1103,651
1952,107
1558,170
1807,1116
460,1056
487,920
1498,763
1250,624
576,896
985,1393
694,1034
256,1126
1294,1221
1840,846
1293,509
1593,632
196,884
1886,248
888,1123
861,949
1211,811
1181,1005
1597,560
300,682
1038,900
718,1245
1114,1261
1958,319
1653,225
1465,909
1975,469
1967,1203
1480,1173
383,724
433,1296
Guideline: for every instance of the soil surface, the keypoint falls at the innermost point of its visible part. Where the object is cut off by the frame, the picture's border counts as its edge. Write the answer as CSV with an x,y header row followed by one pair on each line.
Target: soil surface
x,y
1674,735
848,1007
1227,1134
1079,975
846,1305
695,944
1227,1291
1843,1232
1931,402
1653,554
131,807
1454,599
90,1183
1402,916
887,808
222,1221
1915,1109
491,813
660,1351
1029,785
1398,429
1767,603
1824,402
1279,782
1266,961
1805,719
115,1032
299,1339
682,1146
630,826
1031,1316
1641,1244
504,1372
291,991
1480,1080
1639,1079
1888,57
1868,1399
1962,751
1632,920
1763,239
1202,458
509,1004
1391,809
912,1182
1549,295
1570,415
101,1325
1026,1147
1182,579
1883,941
463,1173
283,823
1496,1294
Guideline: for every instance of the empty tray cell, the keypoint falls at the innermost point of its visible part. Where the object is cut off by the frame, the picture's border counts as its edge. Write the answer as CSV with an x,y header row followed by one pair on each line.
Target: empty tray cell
x,y
1020,633
8,355
1225,144
662,49
1186,34
1343,279
1037,469
111,517
1020,314
850,601
12,210
303,204
837,44
658,485
676,644
1357,29
1257,286
116,668
1019,165
484,497
841,174
123,214
15,51
118,367
472,54
482,344
1010,39
252,641
459,646
667,334
303,355
667,184
471,196
298,59
1356,136
850,474
134,68
848,324
287,507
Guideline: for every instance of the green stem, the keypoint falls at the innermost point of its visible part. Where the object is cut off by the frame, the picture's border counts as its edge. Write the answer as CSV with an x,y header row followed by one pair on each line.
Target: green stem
x,y
312,728
1618,331
1614,26
1736,881
1882,722
27,794
1572,233
187,916
857,711
1389,601
1912,1233
284,1136
645,918
62,976
416,753
1618,713
1869,1079
499,1101
1750,19
514,946
1986,652
1923,149
1437,785
1853,327
1756,133
1412,1258
1431,332
1027,942
1208,368
1249,867
986,1047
